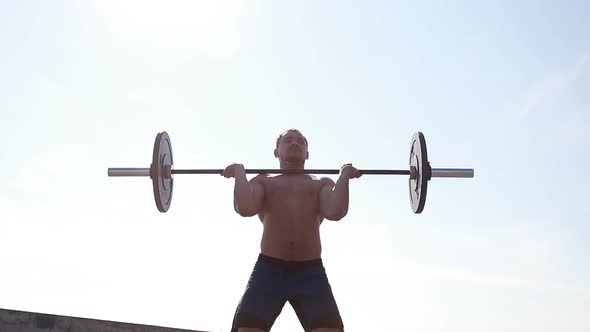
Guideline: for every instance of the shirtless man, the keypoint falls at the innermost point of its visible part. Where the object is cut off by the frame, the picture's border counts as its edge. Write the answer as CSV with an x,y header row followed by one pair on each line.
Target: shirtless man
x,y
289,267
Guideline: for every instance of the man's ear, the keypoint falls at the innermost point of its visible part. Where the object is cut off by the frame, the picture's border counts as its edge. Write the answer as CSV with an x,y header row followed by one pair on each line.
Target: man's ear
x,y
307,155
276,153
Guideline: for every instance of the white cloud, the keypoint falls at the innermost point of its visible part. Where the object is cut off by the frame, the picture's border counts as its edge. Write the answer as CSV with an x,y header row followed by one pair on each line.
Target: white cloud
x,y
554,86
465,275
211,27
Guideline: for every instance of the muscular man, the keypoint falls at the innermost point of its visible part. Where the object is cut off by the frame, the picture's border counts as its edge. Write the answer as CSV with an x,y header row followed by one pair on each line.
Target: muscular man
x,y
289,267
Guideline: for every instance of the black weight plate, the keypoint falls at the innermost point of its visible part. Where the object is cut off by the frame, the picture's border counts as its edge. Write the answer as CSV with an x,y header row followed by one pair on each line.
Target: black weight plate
x,y
161,162
419,184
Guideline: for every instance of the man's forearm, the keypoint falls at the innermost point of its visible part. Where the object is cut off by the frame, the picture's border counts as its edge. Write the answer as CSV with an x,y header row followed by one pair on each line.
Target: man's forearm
x,y
243,198
339,198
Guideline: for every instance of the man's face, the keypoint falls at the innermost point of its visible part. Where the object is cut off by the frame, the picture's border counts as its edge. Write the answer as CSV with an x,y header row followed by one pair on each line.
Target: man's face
x,y
292,148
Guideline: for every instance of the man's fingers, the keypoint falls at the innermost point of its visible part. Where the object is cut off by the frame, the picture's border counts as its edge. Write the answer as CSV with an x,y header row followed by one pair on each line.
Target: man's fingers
x,y
356,173
228,172
351,171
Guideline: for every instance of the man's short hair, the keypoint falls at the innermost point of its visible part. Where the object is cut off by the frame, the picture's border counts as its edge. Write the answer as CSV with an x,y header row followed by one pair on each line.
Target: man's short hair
x,y
292,130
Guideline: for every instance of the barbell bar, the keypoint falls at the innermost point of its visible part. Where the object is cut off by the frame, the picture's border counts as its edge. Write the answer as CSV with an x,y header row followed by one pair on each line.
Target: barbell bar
x,y
161,172
436,172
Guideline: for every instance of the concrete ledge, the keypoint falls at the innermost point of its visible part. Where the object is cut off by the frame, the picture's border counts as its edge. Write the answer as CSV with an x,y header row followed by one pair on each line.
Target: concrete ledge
x,y
22,321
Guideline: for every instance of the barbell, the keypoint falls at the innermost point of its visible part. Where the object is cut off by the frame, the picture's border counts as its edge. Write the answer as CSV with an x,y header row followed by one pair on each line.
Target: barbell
x,y
161,172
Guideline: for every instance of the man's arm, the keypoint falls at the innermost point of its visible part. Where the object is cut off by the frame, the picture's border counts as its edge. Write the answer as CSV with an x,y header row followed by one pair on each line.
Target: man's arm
x,y
248,195
334,197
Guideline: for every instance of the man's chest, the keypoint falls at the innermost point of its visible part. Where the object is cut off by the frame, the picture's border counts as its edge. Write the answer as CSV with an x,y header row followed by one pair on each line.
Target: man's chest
x,y
292,189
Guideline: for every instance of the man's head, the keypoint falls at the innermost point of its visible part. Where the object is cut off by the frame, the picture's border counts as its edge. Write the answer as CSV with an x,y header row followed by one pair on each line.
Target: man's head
x,y
291,147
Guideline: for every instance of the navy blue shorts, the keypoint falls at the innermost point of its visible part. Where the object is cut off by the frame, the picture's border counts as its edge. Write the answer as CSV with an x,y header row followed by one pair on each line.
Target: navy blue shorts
x,y
274,281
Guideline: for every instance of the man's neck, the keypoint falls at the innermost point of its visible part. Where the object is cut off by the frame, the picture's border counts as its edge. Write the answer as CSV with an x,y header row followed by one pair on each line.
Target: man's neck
x,y
292,165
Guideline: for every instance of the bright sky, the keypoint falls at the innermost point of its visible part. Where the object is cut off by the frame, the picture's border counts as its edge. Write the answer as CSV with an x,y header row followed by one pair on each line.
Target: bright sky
x,y
500,87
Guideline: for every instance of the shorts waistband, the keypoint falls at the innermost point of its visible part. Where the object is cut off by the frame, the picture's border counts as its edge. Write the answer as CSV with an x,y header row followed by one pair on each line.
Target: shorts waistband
x,y
290,264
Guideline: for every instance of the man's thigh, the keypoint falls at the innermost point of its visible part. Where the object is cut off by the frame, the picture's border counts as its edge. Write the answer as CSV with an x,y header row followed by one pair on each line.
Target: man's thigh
x,y
262,301
314,302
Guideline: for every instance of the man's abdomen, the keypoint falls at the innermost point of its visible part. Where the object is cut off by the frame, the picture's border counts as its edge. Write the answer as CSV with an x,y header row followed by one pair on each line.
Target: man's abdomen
x,y
291,239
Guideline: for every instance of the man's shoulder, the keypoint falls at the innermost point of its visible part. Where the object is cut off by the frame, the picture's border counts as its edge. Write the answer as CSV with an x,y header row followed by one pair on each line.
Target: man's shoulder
x,y
323,181
260,178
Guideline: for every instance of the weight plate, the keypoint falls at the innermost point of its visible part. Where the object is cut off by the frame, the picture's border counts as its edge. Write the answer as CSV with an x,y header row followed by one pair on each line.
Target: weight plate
x,y
419,183
161,165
